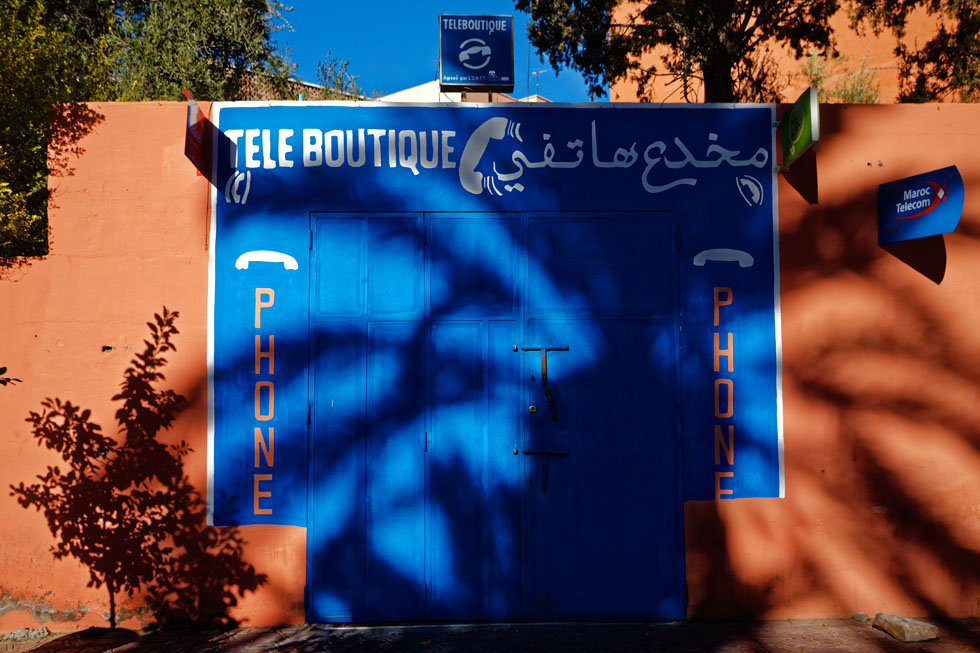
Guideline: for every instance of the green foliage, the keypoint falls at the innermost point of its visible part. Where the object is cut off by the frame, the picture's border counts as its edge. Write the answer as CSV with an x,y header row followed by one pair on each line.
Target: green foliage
x,y
836,83
57,52
20,230
948,64
337,82
719,44
38,72
212,48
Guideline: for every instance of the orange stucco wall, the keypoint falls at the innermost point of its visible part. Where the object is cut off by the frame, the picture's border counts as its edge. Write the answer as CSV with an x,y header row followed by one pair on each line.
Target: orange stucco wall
x,y
129,228
881,389
855,48
881,360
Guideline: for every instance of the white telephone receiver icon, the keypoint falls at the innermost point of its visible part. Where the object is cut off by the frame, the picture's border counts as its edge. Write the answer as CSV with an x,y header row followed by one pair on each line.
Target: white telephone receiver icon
x,y
744,259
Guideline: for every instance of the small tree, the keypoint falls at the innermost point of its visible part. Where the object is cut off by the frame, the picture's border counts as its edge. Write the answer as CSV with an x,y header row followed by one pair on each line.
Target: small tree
x,y
835,82
125,509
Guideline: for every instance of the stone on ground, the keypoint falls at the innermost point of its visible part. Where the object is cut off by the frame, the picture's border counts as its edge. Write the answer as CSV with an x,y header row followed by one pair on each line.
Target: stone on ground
x,y
904,629
25,634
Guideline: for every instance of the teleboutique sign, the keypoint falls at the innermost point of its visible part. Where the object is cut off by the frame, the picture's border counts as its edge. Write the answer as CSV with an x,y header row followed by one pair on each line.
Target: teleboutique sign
x,y
476,52
708,170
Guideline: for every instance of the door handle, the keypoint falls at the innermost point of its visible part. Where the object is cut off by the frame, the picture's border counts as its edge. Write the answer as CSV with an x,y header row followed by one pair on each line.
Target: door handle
x,y
541,347
544,463
544,349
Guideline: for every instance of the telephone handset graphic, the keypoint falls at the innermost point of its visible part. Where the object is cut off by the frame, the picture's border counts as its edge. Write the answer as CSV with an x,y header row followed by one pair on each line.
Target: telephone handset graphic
x,y
469,176
750,189
265,256
744,259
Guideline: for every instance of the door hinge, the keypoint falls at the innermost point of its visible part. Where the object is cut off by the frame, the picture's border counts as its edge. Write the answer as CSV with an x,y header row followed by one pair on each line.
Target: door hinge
x,y
311,239
425,234
309,414
425,445
677,239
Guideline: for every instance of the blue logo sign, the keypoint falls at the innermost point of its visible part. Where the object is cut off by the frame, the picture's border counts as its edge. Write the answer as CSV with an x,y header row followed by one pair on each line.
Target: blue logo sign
x,y
924,205
476,52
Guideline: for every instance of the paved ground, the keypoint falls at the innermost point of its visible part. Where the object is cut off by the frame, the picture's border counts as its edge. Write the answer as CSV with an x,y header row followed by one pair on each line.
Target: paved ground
x,y
793,635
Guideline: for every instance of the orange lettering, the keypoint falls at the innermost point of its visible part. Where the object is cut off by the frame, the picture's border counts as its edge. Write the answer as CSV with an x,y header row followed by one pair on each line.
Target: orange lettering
x,y
265,417
269,452
722,302
718,477
258,494
727,353
260,303
720,445
731,391
271,354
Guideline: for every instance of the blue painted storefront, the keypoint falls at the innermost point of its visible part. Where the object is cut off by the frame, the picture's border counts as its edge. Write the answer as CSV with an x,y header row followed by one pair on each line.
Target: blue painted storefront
x,y
484,353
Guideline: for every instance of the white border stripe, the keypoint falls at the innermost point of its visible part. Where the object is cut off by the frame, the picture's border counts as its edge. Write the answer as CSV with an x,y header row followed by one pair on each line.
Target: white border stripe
x,y
215,109
777,312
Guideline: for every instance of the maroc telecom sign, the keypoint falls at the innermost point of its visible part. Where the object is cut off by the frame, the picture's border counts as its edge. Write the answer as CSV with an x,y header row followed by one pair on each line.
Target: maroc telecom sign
x,y
476,52
924,205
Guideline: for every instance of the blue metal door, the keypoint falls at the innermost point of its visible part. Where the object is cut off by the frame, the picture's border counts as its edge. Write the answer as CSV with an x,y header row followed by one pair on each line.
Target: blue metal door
x,y
603,506
366,534
474,274
437,492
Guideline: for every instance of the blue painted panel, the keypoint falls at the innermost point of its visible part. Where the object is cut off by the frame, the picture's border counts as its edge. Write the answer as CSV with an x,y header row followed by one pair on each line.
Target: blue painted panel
x,y
367,539
581,265
394,524
394,259
336,537
473,265
603,468
261,387
604,536
729,448
458,497
711,166
340,277
505,472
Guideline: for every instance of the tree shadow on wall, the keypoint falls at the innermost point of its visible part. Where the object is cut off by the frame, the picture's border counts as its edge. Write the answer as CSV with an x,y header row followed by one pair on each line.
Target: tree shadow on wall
x,y
126,509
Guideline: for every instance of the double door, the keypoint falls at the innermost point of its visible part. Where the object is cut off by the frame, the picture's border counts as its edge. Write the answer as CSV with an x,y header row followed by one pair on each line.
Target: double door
x,y
494,418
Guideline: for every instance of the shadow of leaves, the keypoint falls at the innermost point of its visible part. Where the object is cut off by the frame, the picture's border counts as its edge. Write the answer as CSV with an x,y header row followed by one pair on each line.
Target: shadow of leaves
x,y
125,508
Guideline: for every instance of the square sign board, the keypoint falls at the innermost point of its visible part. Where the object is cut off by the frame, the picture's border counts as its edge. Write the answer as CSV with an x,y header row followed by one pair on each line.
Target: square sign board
x,y
476,53
801,126
923,205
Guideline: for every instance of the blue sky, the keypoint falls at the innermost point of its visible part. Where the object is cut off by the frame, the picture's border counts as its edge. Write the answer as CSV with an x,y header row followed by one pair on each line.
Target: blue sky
x,y
392,45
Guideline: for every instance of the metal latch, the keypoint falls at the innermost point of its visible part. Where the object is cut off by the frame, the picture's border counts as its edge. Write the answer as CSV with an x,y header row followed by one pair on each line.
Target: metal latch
x,y
546,456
